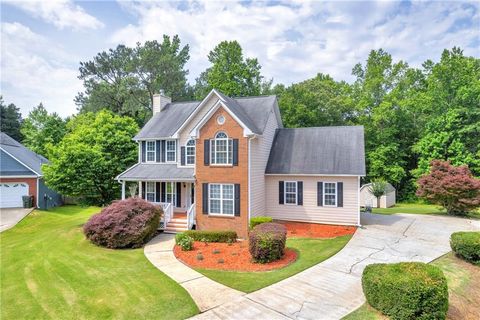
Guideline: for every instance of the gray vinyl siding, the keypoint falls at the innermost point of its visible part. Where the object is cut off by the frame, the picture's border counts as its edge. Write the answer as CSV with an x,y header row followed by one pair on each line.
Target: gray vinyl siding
x,y
11,167
260,150
47,198
309,211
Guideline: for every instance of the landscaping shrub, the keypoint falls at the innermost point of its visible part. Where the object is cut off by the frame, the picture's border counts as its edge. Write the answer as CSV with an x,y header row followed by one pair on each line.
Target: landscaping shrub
x,y
127,223
267,242
212,236
467,246
406,290
184,241
259,220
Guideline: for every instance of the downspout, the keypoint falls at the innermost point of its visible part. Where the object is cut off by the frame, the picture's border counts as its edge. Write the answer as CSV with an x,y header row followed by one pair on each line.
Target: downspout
x,y
250,137
358,200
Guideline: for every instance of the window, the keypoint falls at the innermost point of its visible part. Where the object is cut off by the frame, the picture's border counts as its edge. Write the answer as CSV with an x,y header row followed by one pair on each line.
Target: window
x,y
220,119
170,193
291,192
150,192
330,194
171,150
150,151
190,152
221,149
221,198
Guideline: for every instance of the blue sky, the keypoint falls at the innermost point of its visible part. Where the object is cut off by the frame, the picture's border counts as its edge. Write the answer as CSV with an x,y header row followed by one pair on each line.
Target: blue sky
x,y
42,42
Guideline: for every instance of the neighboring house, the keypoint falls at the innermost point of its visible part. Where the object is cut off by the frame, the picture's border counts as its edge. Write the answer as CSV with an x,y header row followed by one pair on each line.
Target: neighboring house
x,y
21,174
225,160
367,198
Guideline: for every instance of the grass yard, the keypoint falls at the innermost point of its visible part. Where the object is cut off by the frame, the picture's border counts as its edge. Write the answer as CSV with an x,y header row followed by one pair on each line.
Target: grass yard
x,y
417,208
311,252
464,297
49,271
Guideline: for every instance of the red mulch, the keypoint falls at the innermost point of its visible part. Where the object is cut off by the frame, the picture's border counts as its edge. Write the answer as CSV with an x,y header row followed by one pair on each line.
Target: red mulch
x,y
236,257
314,230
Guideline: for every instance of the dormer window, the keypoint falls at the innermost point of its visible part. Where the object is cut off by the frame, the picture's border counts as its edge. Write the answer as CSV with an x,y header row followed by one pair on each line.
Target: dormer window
x,y
190,152
151,151
221,149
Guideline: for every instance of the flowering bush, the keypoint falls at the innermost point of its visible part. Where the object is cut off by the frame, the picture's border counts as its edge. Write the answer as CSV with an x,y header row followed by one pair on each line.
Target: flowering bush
x,y
124,224
267,242
454,188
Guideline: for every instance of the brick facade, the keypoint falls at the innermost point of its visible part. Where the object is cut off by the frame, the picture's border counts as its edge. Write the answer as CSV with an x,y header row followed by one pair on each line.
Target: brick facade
x,y
222,174
32,186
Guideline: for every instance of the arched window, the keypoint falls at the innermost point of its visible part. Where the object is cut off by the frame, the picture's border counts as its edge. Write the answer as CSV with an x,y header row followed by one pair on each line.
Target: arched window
x,y
221,149
190,152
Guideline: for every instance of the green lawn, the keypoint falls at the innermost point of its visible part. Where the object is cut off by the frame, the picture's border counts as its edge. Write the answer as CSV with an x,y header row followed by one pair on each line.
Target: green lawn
x,y
49,271
311,252
463,282
417,208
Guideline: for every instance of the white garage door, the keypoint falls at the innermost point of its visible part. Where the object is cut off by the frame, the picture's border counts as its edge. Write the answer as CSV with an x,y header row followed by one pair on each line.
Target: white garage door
x,y
11,194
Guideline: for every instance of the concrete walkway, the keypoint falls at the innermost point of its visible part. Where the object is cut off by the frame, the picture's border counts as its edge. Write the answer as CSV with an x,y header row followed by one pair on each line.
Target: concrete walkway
x,y
9,217
332,289
206,293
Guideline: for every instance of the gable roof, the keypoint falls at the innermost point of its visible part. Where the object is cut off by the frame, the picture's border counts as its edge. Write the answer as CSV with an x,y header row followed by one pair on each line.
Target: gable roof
x,y
318,151
251,111
22,154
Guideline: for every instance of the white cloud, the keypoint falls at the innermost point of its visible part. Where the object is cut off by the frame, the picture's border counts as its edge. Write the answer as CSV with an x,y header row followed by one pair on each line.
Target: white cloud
x,y
36,70
294,42
61,13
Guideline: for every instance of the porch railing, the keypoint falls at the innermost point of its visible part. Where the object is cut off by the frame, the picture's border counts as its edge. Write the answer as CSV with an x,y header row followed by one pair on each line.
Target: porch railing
x,y
167,213
191,216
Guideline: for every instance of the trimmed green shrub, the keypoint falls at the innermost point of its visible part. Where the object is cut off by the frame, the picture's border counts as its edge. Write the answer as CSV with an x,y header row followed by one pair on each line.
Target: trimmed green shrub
x,y
259,220
466,245
267,242
184,241
212,236
406,290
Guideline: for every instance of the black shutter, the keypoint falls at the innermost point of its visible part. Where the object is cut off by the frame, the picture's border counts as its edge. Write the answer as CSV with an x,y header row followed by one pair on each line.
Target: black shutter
x,y
206,152
179,194
339,194
320,194
300,193
205,198
235,152
163,150
144,150
237,200
280,192
157,191
143,189
164,189
157,148
182,156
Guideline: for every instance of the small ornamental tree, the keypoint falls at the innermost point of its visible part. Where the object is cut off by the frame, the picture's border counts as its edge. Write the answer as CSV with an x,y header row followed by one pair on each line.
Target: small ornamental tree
x,y
454,188
378,189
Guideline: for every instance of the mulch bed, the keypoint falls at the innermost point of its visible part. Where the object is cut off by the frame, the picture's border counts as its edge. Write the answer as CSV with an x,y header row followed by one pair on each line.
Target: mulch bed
x,y
314,230
235,256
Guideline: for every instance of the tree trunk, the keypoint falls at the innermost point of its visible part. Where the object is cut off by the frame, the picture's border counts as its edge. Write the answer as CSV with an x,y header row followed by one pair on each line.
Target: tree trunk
x,y
378,202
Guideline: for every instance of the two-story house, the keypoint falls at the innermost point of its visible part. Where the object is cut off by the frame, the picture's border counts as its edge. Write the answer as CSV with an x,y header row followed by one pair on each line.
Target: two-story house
x,y
222,160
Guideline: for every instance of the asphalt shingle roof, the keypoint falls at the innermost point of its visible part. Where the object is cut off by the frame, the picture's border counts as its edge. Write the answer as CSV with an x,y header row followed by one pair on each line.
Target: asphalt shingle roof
x,y
157,171
17,150
319,150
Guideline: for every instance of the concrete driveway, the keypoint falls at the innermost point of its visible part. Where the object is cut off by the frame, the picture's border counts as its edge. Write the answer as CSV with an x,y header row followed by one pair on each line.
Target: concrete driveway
x,y
332,289
9,217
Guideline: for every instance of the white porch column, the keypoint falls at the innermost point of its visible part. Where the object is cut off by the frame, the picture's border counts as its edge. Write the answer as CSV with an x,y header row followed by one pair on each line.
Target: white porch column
x,y
140,189
123,189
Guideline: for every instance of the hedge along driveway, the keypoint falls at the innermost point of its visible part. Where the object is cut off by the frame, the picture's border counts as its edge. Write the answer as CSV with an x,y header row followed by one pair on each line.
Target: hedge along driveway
x,y
49,270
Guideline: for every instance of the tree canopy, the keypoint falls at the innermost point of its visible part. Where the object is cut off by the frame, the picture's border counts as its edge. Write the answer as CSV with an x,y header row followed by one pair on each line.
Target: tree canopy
x,y
10,120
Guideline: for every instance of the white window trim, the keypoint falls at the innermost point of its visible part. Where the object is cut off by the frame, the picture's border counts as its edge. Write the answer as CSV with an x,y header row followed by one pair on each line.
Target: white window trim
x,y
285,193
213,150
221,200
336,195
167,151
154,190
194,147
154,151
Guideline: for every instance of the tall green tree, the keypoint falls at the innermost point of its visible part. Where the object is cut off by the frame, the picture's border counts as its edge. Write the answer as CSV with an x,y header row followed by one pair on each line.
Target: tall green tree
x,y
230,72
41,130
10,120
452,100
123,80
97,147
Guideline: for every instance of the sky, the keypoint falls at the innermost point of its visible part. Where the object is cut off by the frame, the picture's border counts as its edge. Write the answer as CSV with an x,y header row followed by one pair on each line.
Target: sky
x,y
43,42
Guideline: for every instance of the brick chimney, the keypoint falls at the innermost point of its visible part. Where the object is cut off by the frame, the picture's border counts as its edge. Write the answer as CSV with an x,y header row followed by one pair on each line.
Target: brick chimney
x,y
160,100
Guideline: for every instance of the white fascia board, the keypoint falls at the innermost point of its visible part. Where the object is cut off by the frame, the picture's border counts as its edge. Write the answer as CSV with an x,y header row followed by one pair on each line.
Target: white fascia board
x,y
160,180
23,164
20,177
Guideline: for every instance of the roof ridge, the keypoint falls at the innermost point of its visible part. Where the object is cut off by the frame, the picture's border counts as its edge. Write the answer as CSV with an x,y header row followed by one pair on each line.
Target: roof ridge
x,y
259,96
322,127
